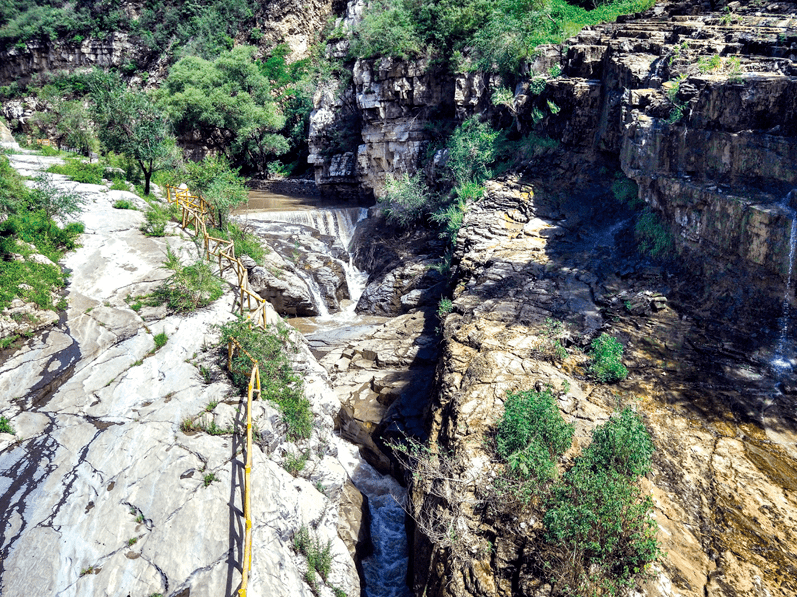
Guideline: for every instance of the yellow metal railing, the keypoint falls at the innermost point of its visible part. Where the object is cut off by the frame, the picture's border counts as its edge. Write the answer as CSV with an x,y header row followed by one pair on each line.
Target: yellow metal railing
x,y
194,211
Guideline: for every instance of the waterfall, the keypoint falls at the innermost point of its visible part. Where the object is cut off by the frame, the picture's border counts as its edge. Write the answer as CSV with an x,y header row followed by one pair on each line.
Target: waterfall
x,y
337,222
340,224
780,362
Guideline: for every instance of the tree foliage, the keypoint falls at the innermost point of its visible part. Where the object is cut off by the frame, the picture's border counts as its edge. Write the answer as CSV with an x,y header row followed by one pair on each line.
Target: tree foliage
x,y
494,34
219,184
130,123
228,100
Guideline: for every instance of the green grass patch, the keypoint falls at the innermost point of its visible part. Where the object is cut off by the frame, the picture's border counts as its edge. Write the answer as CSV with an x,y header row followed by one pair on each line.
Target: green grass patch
x,y
607,355
28,280
160,340
80,171
5,426
279,383
189,287
123,204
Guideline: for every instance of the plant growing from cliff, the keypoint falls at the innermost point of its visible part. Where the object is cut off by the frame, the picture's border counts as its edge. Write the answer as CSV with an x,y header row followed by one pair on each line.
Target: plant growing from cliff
x,y
160,340
5,426
406,199
294,463
653,237
279,383
189,287
444,307
607,354
706,64
530,438
317,554
625,190
597,522
209,478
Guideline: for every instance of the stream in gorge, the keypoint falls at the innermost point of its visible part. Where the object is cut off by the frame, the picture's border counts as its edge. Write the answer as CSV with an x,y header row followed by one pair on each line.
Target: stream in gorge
x,y
290,217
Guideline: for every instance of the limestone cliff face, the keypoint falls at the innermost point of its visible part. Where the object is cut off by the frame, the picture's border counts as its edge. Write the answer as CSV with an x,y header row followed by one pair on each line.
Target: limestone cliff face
x,y
723,475
699,106
20,64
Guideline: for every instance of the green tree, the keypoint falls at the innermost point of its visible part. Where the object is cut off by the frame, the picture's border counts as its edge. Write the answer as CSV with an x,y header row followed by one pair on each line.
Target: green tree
x,y
220,185
228,100
130,123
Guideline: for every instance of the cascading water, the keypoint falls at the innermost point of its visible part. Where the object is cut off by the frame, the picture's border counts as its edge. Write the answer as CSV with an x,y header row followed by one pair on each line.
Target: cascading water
x,y
386,568
781,362
338,222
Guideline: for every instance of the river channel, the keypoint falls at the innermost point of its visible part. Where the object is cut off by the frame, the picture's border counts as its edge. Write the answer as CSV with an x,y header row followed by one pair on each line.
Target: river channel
x,y
301,213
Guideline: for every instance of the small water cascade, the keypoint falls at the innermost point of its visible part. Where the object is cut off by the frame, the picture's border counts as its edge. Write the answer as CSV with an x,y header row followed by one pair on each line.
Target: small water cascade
x,y
781,362
337,222
385,569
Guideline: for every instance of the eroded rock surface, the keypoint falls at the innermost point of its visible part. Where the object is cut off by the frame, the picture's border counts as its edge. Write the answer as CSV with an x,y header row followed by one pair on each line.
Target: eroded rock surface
x,y
723,475
103,493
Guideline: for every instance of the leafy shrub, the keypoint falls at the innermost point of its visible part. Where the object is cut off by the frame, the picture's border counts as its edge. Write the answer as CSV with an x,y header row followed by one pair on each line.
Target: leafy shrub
x,y
319,556
654,239
54,202
123,204
79,171
189,287
532,435
279,383
597,520
622,444
12,187
450,218
219,184
5,426
625,190
295,464
157,217
471,150
406,200
245,242
607,354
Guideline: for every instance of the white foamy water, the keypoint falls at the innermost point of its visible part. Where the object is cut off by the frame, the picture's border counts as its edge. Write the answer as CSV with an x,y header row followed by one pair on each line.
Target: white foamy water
x,y
780,362
386,569
338,222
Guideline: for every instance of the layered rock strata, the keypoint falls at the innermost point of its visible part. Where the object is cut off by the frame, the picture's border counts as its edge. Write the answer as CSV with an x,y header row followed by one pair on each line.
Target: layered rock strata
x,y
696,101
723,474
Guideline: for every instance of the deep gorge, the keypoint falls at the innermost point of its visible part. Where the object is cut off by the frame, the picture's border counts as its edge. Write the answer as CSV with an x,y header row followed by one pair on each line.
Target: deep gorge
x,y
649,197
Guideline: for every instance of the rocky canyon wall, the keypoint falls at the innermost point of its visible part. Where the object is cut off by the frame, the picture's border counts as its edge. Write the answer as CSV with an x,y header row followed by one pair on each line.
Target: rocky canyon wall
x,y
697,104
